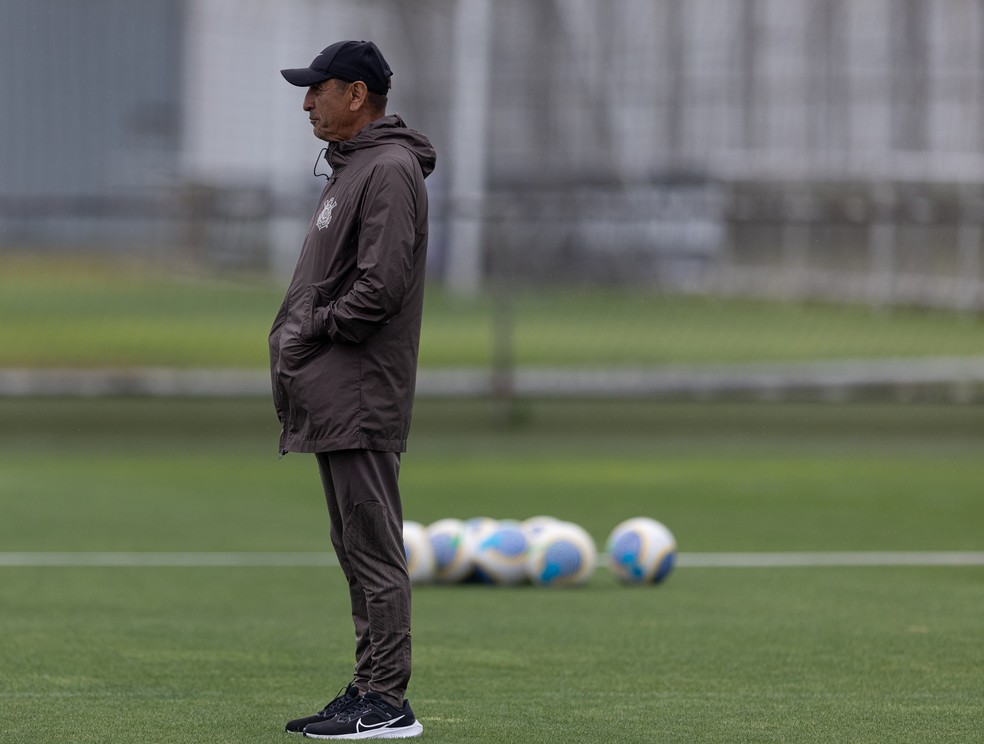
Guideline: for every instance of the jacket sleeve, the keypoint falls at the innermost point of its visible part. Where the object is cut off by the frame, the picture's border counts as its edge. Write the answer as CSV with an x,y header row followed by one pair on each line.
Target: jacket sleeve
x,y
385,257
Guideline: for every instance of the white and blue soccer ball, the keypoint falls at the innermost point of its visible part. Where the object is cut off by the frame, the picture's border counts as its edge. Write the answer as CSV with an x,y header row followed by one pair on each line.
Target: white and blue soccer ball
x,y
452,563
641,551
421,564
561,554
500,554
475,530
535,525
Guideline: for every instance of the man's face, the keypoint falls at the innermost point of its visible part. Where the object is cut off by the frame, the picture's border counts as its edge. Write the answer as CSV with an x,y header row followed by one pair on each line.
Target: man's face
x,y
328,107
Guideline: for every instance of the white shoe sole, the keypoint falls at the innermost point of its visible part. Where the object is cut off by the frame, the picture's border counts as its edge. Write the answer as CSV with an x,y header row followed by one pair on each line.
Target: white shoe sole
x,y
406,732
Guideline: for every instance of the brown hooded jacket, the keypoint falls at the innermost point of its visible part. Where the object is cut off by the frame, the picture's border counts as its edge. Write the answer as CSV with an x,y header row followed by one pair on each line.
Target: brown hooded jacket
x,y
343,347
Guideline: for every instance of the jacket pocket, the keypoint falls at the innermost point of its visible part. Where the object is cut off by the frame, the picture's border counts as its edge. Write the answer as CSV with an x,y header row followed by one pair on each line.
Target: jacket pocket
x,y
312,325
306,330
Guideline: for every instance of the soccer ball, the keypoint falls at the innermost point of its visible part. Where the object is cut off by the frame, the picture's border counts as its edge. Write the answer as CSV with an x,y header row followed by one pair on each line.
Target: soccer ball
x,y
420,553
452,563
535,525
561,554
500,555
475,530
641,551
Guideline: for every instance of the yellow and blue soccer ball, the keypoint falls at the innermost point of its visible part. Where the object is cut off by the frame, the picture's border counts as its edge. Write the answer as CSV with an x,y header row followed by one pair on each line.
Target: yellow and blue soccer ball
x,y
421,564
533,526
561,554
641,551
451,560
500,554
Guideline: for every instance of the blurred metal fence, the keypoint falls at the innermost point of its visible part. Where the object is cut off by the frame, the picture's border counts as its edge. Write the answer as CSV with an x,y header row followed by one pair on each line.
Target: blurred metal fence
x,y
194,225
799,148
882,244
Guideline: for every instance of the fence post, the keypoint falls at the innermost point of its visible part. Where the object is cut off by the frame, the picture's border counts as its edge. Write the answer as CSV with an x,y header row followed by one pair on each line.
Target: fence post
x,y
882,237
796,216
968,277
469,144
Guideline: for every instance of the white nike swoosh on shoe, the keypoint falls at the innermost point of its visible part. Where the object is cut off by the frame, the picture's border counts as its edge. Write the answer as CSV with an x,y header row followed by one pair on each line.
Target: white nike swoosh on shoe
x,y
360,727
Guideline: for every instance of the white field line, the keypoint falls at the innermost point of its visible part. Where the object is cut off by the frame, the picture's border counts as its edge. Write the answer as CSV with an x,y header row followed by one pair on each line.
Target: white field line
x,y
166,560
821,560
305,560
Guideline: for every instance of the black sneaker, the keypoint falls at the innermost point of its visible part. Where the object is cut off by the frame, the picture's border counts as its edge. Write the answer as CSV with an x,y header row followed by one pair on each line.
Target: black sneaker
x,y
368,718
350,695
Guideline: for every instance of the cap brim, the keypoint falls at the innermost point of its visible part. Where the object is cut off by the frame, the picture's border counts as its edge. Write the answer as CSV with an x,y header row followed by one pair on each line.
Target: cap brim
x,y
304,76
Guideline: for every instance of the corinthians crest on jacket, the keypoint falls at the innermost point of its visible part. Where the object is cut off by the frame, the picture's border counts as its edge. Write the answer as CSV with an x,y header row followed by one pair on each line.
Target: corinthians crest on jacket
x,y
324,219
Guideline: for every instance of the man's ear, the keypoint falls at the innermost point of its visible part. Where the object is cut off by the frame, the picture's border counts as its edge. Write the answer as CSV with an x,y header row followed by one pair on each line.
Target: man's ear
x,y
358,94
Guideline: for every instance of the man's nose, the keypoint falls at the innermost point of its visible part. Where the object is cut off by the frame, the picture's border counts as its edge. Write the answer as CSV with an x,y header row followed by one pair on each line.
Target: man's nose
x,y
308,101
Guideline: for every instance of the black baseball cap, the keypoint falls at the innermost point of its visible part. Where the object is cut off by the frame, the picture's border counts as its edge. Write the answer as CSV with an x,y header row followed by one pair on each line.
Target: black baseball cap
x,y
348,61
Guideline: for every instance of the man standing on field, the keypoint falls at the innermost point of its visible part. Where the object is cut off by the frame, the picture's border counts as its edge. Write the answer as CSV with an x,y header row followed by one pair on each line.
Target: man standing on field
x,y
343,355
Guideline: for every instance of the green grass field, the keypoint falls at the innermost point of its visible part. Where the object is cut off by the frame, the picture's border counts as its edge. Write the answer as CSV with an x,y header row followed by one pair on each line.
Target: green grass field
x,y
227,654
715,655
86,314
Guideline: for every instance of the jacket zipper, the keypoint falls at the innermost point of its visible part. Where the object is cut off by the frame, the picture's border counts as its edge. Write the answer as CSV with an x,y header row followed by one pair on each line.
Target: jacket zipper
x,y
283,451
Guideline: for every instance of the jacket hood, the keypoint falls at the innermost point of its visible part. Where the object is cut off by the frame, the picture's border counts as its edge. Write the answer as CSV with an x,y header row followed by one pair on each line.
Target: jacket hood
x,y
388,130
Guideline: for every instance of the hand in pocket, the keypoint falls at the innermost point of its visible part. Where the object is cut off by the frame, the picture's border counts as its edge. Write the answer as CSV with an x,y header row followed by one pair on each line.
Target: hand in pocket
x,y
312,318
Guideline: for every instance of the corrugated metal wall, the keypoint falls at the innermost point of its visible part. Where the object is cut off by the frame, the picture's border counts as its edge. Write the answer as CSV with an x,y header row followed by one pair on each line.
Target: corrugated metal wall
x,y
183,101
90,125
100,96
91,96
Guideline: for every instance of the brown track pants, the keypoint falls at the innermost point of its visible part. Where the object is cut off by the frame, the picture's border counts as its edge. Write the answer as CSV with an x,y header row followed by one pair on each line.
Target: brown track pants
x,y
367,533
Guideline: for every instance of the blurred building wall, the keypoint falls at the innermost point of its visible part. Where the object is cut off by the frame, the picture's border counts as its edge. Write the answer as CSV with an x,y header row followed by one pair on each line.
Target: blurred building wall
x,y
91,97
668,141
